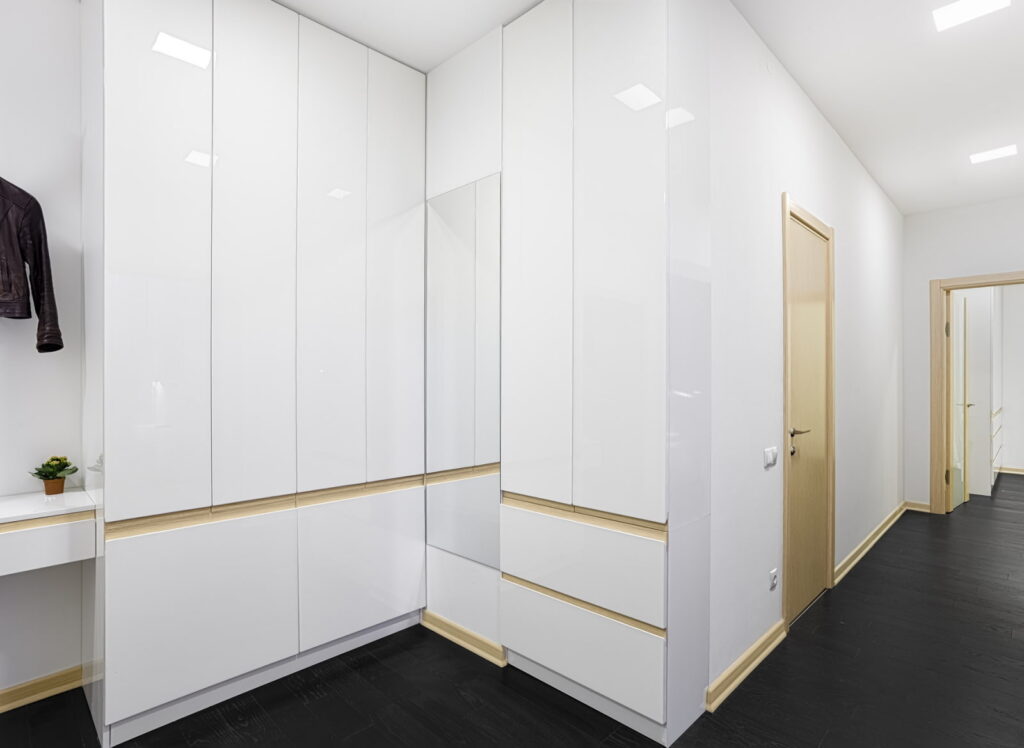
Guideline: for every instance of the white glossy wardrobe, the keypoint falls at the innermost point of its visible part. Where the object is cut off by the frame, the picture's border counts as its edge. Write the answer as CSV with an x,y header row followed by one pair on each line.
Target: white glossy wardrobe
x,y
258,256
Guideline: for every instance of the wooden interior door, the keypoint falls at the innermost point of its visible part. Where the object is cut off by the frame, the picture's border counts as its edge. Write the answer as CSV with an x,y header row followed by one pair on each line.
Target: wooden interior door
x,y
808,541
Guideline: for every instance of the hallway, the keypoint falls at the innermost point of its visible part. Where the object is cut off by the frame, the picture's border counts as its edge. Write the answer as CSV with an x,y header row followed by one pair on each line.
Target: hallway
x,y
922,644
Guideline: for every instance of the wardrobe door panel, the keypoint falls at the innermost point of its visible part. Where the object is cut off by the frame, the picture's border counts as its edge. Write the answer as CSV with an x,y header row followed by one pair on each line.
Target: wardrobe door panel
x,y
254,196
361,562
488,320
620,260
158,101
331,307
451,329
536,279
394,270
193,607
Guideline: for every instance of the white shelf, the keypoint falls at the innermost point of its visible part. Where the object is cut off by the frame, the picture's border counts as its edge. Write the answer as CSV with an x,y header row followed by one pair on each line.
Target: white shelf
x,y
34,505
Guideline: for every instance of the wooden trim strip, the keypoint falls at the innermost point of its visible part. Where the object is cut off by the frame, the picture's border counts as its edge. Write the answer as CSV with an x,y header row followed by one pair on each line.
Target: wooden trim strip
x,y
914,506
56,519
446,476
981,281
744,665
586,519
175,520
478,645
637,624
844,566
341,493
1011,470
40,688
616,518
995,413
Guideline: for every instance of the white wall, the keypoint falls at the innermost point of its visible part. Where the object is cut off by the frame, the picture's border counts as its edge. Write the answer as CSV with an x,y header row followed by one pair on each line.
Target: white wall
x,y
976,240
766,138
41,394
1013,377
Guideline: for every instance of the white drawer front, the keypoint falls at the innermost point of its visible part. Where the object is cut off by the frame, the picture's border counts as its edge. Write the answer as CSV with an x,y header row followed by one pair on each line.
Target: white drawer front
x,y
39,547
614,659
611,569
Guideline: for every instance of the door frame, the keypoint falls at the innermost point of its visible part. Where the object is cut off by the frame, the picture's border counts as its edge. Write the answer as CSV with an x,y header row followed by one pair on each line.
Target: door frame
x,y
791,209
940,301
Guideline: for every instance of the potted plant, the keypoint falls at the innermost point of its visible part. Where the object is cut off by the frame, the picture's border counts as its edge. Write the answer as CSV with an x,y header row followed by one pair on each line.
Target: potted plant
x,y
53,472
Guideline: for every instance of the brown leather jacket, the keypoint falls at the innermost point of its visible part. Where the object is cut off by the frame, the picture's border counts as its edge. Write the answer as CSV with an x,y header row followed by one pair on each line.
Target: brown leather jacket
x,y
23,242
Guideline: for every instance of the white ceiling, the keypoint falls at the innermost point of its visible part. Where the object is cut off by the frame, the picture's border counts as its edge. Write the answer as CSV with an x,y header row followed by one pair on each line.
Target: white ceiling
x,y
911,102
420,33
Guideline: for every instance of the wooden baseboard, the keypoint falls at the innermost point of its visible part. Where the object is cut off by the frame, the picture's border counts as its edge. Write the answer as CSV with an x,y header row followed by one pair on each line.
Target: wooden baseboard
x,y
915,506
844,566
478,645
1011,471
735,674
40,688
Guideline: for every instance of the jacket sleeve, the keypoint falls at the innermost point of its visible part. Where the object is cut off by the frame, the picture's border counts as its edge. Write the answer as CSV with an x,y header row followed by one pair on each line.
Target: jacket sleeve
x,y
36,253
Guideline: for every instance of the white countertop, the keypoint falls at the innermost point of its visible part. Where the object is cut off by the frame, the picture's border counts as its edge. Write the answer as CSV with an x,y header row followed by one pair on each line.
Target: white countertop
x,y
33,505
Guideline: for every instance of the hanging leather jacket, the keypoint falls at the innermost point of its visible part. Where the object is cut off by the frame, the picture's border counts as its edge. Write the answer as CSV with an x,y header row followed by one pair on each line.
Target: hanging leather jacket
x,y
23,243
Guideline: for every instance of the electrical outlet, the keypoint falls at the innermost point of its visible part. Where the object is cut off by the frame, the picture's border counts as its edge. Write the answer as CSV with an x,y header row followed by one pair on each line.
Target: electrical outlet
x,y
773,579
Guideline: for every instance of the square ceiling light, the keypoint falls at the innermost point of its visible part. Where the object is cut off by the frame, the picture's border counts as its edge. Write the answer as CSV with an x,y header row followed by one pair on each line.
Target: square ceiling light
x,y
963,11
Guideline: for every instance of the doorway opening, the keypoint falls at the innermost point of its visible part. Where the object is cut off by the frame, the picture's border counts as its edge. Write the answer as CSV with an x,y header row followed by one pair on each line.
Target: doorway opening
x,y
808,565
977,386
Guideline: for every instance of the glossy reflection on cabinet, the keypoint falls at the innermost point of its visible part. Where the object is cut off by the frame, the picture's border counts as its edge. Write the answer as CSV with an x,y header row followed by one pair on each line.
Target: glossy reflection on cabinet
x,y
487,412
394,270
254,224
331,329
536,283
157,255
620,261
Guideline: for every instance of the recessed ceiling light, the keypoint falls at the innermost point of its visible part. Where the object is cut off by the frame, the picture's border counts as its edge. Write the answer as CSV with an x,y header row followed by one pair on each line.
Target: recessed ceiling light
x,y
963,11
677,116
638,97
1004,152
182,50
338,194
199,158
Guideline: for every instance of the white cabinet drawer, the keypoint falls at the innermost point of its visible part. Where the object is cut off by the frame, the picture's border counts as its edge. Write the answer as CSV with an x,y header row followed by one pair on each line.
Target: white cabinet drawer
x,y
361,562
39,547
617,660
612,569
193,607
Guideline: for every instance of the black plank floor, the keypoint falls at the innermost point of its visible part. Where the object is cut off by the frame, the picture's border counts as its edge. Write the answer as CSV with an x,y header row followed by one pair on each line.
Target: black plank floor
x,y
921,645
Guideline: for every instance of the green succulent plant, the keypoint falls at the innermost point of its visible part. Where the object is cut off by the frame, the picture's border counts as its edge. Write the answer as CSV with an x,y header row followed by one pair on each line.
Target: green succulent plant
x,y
55,467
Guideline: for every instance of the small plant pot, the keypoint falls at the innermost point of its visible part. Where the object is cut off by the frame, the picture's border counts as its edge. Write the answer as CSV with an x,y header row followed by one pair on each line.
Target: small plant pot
x,y
53,486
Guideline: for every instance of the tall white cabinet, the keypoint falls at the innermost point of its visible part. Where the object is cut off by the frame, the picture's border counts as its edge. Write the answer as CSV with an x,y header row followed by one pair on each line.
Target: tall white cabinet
x,y
604,518
261,340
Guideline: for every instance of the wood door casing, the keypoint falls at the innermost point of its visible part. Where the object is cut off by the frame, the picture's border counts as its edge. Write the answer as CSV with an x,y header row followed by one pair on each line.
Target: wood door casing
x,y
809,472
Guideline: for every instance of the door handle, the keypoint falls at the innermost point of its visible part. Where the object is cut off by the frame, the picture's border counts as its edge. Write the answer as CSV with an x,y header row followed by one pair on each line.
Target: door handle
x,y
797,432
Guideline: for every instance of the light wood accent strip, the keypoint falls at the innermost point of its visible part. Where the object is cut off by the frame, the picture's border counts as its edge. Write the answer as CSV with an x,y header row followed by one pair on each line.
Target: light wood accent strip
x,y
586,519
40,688
1011,471
619,519
996,413
844,566
127,528
446,476
57,519
637,624
914,506
358,490
744,665
478,645
981,281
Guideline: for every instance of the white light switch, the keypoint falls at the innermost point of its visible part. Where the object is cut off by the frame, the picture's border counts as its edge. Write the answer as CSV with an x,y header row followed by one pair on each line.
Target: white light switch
x,y
771,457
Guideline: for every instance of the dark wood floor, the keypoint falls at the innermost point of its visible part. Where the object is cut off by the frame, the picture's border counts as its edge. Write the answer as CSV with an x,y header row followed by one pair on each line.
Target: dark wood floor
x,y
921,645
